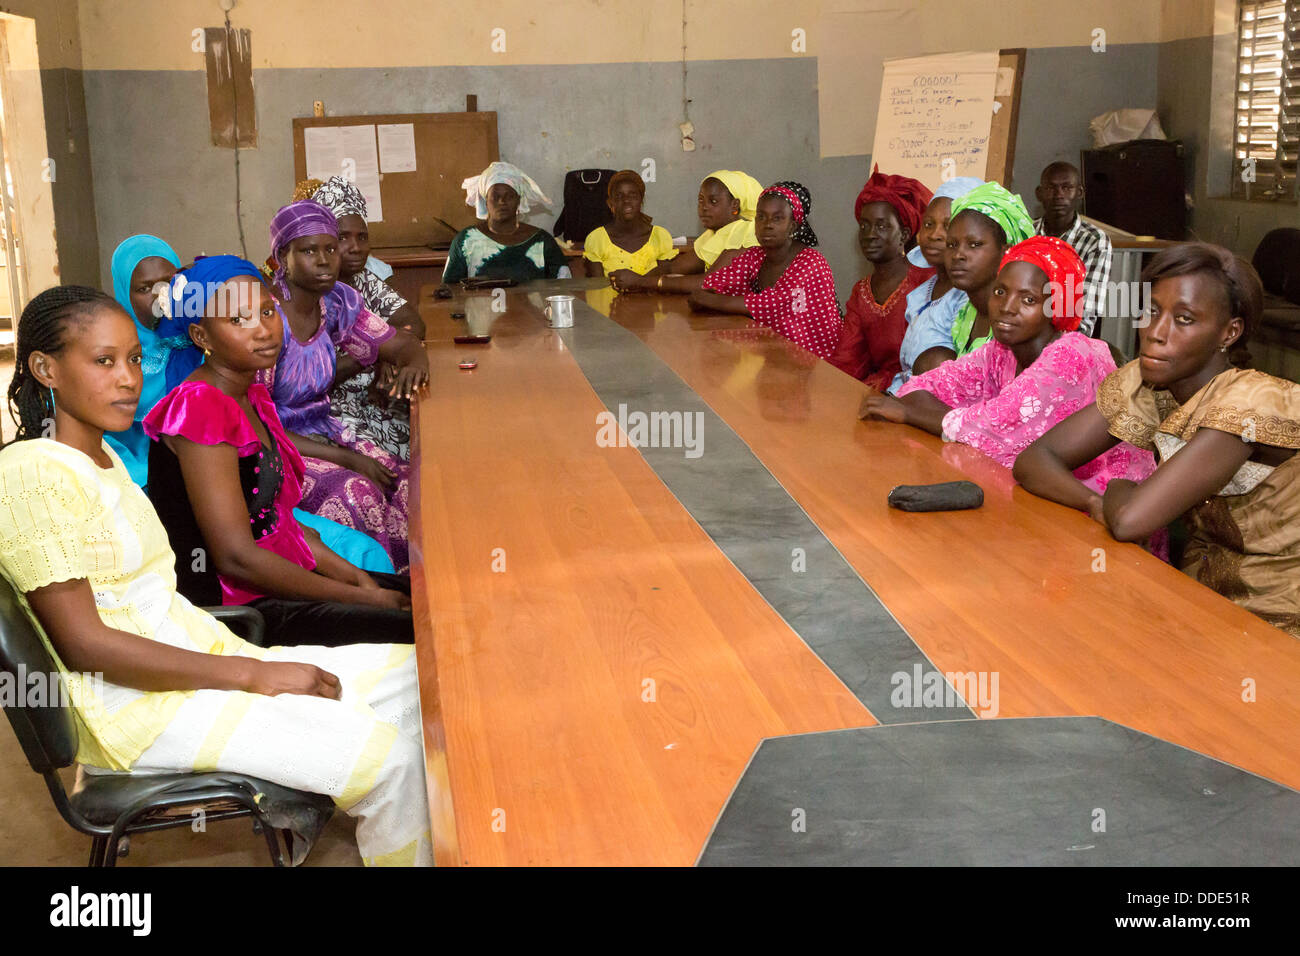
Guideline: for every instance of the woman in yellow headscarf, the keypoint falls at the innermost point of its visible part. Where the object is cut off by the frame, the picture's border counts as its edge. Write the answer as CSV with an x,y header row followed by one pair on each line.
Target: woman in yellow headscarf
x,y
728,201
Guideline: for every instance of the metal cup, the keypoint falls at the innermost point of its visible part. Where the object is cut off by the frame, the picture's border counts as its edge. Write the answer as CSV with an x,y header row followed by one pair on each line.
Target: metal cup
x,y
559,310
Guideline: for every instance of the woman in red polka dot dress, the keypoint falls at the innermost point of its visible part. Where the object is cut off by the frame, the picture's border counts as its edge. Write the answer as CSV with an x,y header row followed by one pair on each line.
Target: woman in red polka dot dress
x,y
782,282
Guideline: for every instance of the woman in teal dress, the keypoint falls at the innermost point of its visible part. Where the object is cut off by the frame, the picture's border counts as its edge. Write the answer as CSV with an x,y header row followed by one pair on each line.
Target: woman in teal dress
x,y
500,245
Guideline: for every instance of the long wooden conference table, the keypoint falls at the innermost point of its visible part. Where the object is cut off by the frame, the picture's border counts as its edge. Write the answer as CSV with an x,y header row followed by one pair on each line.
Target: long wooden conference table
x,y
607,630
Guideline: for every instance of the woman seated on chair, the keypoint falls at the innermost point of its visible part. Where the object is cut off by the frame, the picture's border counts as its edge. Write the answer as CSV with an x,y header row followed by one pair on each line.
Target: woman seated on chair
x,y
143,267
727,204
349,477
1226,437
888,211
783,283
359,394
152,678
632,241
500,245
226,478
1034,372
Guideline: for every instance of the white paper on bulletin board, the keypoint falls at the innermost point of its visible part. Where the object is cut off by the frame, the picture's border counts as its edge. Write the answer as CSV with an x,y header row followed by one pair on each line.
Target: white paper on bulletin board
x,y
324,151
935,115
362,166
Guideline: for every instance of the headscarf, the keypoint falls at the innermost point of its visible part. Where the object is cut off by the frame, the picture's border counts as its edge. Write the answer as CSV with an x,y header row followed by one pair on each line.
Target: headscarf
x,y
626,176
476,188
744,188
952,189
1002,206
800,201
129,254
1065,274
340,197
957,187
908,196
298,219
132,445
191,291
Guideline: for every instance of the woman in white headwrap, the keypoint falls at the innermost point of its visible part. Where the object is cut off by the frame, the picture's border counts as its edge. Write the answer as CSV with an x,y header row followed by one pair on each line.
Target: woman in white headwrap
x,y
499,245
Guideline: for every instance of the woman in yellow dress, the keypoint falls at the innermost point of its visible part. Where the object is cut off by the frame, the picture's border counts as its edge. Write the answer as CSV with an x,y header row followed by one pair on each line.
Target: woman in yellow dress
x,y
632,241
174,689
727,204
1225,437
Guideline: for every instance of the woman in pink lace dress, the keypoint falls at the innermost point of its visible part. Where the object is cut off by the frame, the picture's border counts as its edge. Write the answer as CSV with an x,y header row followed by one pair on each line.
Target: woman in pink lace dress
x,y
1033,373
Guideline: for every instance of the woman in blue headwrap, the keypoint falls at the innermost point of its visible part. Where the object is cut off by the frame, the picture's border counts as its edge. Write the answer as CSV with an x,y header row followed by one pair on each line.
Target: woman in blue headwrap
x,y
226,476
143,267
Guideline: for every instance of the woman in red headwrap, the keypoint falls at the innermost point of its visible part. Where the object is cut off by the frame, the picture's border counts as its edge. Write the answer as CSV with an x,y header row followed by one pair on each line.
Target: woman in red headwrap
x,y
889,211
1034,372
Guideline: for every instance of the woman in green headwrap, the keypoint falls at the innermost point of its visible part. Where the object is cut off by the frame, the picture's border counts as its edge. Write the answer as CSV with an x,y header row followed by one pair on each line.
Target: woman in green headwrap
x,y
985,222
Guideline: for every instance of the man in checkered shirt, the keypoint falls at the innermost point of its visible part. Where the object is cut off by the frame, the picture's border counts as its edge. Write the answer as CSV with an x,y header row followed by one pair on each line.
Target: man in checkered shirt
x,y
1059,192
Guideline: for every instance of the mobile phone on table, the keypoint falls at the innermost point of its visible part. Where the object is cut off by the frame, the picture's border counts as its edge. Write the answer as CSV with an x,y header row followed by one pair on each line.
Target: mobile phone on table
x,y
472,339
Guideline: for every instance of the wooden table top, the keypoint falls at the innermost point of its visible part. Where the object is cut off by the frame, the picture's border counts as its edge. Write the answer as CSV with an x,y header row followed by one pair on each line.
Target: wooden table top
x,y
595,671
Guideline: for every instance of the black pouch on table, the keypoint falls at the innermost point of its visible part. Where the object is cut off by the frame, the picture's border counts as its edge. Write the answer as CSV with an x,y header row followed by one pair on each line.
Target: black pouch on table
x,y
945,496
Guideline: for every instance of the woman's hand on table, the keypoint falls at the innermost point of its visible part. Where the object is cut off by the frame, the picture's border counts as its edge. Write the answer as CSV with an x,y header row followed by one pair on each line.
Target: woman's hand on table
x,y
1096,510
408,379
882,407
625,280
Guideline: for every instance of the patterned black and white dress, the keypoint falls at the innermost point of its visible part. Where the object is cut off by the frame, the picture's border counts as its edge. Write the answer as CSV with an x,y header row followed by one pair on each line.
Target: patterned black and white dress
x,y
351,402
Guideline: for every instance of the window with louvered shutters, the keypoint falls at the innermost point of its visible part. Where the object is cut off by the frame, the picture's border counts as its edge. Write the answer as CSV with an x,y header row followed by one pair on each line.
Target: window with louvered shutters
x,y
1268,99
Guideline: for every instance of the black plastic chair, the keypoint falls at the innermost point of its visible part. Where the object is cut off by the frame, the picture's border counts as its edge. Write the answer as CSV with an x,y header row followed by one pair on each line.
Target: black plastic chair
x,y
110,807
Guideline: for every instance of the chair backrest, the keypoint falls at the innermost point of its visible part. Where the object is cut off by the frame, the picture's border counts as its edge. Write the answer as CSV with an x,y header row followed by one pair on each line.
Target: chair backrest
x,y
1277,260
171,501
44,725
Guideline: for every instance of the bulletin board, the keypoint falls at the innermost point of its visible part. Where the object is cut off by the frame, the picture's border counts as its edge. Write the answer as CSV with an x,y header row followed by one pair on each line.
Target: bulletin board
x,y
952,114
443,148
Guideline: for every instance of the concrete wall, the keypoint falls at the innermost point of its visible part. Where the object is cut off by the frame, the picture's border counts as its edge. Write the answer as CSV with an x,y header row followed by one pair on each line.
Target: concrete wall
x,y
149,130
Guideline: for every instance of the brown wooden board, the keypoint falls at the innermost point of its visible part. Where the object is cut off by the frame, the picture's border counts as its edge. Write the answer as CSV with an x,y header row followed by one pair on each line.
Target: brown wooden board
x,y
228,56
1002,131
449,147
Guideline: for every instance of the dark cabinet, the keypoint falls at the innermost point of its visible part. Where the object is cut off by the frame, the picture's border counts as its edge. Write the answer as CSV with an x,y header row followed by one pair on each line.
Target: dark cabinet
x,y
1137,186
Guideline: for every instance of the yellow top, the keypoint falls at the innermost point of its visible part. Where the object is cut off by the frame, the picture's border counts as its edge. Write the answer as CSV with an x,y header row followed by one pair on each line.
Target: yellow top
x,y
62,518
734,235
600,248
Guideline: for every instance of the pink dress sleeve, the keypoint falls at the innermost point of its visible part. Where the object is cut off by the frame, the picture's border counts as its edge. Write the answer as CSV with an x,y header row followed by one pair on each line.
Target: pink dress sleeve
x,y
352,327
1063,380
205,415
963,381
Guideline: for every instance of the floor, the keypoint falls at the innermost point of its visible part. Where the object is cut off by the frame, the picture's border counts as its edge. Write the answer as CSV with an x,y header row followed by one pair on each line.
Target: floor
x,y
33,834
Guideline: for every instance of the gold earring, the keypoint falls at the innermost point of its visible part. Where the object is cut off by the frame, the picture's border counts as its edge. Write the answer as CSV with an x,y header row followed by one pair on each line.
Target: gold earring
x,y
207,353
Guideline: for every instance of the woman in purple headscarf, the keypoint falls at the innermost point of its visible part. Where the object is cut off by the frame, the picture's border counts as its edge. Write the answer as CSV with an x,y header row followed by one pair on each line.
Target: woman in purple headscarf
x,y
349,477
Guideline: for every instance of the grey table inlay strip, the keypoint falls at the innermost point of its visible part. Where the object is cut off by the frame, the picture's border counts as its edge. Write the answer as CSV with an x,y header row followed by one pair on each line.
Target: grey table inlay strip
x,y
757,525
1036,791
